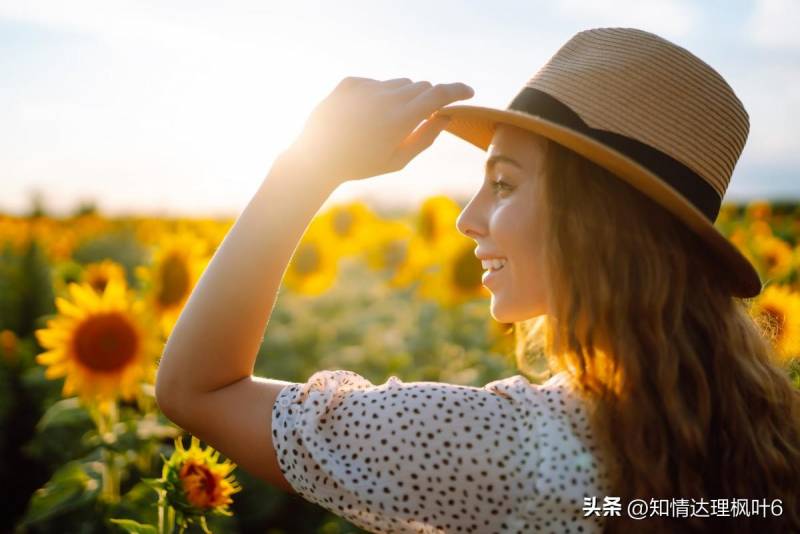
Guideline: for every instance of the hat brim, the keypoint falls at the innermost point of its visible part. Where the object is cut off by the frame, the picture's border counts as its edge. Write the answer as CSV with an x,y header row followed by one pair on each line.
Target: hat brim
x,y
476,125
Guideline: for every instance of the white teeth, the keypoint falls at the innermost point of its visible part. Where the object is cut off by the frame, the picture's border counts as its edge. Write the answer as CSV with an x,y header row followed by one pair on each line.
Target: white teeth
x,y
493,263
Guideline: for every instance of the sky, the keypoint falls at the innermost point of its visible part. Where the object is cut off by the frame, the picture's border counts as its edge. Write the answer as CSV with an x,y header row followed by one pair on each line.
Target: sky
x,y
179,108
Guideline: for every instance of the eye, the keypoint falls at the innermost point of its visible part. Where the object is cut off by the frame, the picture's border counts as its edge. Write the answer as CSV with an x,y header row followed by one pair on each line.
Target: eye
x,y
499,185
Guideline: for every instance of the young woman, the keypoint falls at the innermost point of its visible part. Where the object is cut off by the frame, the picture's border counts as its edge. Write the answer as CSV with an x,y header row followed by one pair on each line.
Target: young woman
x,y
665,411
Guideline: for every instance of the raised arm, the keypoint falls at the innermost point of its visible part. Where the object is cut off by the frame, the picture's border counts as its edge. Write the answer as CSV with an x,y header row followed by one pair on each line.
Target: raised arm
x,y
205,379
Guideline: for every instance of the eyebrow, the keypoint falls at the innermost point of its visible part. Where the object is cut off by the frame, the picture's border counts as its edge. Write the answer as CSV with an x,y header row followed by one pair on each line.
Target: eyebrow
x,y
490,163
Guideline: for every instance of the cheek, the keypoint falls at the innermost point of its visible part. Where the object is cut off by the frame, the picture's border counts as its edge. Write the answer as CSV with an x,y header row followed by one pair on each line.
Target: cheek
x,y
512,231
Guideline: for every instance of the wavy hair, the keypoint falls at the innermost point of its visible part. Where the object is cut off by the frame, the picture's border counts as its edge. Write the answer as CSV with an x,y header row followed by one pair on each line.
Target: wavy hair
x,y
688,398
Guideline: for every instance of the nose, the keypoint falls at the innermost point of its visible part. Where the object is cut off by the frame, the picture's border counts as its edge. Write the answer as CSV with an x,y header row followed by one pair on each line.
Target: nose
x,y
469,222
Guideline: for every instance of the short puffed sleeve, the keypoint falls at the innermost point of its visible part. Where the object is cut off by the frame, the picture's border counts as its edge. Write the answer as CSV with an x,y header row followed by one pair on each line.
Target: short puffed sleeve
x,y
409,457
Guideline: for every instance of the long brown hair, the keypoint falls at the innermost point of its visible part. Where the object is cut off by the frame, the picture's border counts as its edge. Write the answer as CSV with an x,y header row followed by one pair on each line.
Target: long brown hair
x,y
690,399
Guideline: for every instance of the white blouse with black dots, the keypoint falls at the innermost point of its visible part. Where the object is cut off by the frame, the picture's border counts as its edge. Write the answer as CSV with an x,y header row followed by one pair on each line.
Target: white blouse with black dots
x,y
433,457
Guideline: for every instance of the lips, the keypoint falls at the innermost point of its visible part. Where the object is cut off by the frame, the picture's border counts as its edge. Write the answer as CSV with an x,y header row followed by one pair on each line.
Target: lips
x,y
490,275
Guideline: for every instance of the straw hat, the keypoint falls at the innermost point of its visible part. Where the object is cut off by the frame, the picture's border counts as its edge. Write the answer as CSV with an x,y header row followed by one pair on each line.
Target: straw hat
x,y
644,108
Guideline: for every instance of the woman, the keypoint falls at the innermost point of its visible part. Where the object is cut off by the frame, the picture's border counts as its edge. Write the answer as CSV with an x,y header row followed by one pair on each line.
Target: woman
x,y
604,177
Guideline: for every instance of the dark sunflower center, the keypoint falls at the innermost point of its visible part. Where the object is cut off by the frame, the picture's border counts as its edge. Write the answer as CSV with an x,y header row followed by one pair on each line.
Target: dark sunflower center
x,y
343,223
467,271
174,281
427,226
106,342
99,283
205,479
306,259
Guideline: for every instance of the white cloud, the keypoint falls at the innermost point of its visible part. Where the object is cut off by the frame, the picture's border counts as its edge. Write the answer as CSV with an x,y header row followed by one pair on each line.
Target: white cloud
x,y
774,24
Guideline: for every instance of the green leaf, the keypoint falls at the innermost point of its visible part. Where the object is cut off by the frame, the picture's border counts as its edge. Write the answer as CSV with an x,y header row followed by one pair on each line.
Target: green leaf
x,y
132,527
64,412
70,487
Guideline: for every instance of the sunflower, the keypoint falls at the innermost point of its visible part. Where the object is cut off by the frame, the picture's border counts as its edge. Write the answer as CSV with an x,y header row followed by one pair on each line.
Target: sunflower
x,y
313,267
350,225
436,221
397,251
777,312
727,213
178,262
57,240
195,482
212,231
98,274
102,343
759,228
388,247
14,233
758,210
774,256
9,346
458,277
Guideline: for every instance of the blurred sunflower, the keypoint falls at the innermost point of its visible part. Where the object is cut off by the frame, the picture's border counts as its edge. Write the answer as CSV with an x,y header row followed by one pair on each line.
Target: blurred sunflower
x,y
195,482
350,225
102,343
396,250
777,312
58,240
14,232
212,231
458,277
760,228
8,346
150,230
98,274
758,209
314,264
727,213
177,264
774,256
436,222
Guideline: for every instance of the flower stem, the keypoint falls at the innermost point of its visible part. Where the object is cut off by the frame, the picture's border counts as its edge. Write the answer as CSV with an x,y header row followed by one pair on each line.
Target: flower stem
x,y
162,502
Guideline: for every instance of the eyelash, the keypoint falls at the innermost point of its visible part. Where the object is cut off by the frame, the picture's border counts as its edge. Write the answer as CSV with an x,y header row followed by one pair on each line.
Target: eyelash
x,y
500,183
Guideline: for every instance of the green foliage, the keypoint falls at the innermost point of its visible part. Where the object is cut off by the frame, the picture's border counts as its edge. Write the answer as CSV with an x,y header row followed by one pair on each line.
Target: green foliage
x,y
72,486
132,527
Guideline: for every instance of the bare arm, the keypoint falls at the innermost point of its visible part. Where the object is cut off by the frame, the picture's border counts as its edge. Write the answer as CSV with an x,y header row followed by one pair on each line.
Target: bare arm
x,y
205,381
216,339
363,128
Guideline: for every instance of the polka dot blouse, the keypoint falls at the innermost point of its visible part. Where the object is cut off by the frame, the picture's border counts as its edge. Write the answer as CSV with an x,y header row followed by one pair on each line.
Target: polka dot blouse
x,y
432,457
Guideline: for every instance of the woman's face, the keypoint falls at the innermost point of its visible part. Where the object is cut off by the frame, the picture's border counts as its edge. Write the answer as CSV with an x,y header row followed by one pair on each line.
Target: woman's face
x,y
500,218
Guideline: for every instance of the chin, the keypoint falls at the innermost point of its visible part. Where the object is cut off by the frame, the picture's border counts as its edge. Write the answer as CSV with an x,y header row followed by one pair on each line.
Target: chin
x,y
506,315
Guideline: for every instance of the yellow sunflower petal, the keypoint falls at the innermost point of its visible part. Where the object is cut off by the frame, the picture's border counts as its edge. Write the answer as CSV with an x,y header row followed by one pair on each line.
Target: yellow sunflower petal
x,y
50,357
83,297
52,338
68,309
56,370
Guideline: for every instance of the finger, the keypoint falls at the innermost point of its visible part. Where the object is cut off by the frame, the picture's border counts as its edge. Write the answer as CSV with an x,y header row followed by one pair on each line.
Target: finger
x,y
437,97
419,140
411,91
395,82
354,80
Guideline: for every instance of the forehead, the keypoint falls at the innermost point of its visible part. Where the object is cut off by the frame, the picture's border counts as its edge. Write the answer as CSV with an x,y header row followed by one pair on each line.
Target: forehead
x,y
517,143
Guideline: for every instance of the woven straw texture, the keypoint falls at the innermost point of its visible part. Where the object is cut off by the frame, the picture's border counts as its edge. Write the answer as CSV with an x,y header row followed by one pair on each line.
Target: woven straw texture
x,y
624,69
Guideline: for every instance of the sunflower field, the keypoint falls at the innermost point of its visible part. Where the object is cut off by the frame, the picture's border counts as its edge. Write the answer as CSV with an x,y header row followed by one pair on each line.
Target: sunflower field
x,y
87,303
